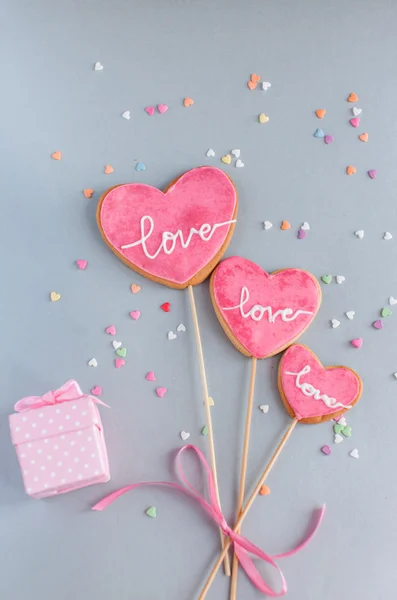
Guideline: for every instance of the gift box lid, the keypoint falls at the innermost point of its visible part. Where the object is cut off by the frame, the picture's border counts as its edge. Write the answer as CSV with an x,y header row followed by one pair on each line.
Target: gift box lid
x,y
52,420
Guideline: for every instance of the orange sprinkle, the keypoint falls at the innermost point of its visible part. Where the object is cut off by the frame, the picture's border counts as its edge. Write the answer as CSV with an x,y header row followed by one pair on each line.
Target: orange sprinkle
x,y
363,137
252,85
188,102
285,225
321,113
353,97
265,491
351,170
56,155
108,170
88,192
255,78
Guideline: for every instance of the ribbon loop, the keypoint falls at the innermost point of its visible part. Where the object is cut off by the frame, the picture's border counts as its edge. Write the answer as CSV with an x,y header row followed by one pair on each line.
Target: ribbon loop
x,y
68,391
242,546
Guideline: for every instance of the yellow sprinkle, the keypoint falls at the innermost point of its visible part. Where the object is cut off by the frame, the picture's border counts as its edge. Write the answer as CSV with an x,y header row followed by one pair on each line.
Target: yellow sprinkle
x,y
210,401
263,118
226,159
55,297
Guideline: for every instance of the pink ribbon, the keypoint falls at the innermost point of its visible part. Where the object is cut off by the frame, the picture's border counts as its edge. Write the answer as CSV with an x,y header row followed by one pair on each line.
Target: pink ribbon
x,y
242,547
68,391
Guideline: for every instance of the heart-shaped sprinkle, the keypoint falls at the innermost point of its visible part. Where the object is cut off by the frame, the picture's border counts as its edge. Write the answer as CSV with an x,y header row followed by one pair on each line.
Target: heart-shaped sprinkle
x,y
387,235
265,490
119,362
239,163
267,225
335,323
350,314
150,110
116,345
255,78
81,264
321,113
135,288
204,430
236,152
378,324
121,352
166,307
326,279
305,226
111,330
328,139
150,376
355,121
161,392
252,85
264,408
353,97
97,390
140,167
263,118
354,453
227,159
363,137
341,420
372,173
135,314
171,335
88,192
338,428
181,327
162,108
98,66
57,155
319,133
338,438
93,362
340,279
108,169
211,401
266,85
285,225
151,512
357,342
210,153
184,435
54,297
326,450
188,102
356,111
301,234
126,115
392,301
359,233
347,431
386,312
351,170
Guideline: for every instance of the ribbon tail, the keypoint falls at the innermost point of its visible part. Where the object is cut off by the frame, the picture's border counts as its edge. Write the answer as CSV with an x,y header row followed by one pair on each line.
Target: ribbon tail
x,y
318,516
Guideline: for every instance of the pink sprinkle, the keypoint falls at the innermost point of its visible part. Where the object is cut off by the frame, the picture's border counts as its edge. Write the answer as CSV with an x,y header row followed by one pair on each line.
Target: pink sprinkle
x,y
150,110
81,264
135,314
378,324
302,234
150,376
161,392
111,330
119,362
357,342
328,139
97,390
162,108
373,173
355,122
326,450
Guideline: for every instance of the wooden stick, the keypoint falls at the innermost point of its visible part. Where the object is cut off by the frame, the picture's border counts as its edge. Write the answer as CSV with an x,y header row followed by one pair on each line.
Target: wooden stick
x,y
225,555
248,506
243,474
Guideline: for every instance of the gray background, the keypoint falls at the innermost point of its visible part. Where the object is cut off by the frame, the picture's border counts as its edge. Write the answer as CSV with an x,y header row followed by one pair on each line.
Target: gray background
x,y
314,53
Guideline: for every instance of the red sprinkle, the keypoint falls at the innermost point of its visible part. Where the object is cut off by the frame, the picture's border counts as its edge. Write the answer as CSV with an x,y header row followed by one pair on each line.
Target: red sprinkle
x,y
166,307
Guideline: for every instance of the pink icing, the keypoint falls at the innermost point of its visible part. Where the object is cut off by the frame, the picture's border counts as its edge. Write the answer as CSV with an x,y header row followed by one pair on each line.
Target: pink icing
x,y
291,289
204,195
340,385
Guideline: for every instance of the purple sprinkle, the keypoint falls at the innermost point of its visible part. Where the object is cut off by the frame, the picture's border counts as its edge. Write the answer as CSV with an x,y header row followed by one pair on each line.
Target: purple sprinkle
x,y
378,324
326,450
373,173
302,234
328,139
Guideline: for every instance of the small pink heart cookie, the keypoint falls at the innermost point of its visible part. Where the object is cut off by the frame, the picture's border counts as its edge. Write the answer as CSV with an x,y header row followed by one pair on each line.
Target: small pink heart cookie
x,y
262,313
312,393
174,237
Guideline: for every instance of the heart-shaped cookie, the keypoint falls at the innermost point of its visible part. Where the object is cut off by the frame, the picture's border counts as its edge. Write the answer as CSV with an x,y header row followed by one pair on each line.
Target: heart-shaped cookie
x,y
263,313
312,393
174,237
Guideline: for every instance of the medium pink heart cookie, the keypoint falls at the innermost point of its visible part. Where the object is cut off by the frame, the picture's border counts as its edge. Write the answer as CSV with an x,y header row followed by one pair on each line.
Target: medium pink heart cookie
x,y
312,393
263,313
174,237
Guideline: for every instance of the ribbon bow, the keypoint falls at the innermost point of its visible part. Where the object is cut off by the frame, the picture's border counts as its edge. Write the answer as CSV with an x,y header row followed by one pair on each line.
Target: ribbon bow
x,y
68,391
242,546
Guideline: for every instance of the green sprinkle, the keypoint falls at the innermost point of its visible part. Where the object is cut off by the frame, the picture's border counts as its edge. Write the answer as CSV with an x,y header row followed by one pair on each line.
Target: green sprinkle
x,y
338,428
122,352
204,430
151,512
386,312
347,431
327,278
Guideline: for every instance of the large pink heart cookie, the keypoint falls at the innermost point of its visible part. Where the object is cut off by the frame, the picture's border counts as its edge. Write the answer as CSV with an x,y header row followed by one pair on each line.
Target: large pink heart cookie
x,y
263,313
311,392
174,237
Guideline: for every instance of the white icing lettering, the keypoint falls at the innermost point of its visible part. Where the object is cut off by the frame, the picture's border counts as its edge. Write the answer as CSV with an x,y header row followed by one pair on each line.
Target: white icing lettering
x,y
309,390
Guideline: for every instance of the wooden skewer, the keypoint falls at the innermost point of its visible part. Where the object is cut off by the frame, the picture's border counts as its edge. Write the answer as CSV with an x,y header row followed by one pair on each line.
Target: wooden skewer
x,y
225,555
243,474
248,506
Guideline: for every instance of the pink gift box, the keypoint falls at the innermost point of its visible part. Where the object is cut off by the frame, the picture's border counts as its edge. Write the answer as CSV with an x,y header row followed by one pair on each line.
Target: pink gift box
x,y
59,441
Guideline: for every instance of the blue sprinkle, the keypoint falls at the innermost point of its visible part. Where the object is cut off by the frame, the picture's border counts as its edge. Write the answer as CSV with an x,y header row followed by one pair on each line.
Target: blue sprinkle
x,y
319,133
141,167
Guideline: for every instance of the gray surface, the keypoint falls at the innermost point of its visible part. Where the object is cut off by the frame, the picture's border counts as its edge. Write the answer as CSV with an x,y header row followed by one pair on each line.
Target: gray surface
x,y
314,53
